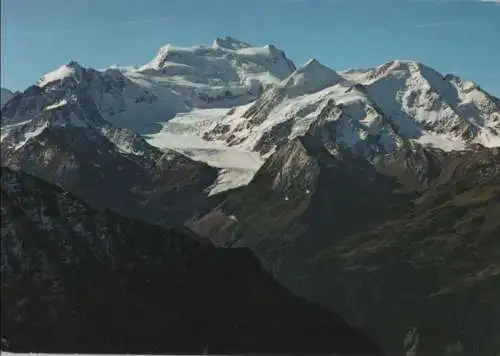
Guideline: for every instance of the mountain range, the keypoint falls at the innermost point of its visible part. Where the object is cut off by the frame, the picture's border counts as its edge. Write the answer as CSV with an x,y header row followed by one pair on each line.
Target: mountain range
x,y
373,192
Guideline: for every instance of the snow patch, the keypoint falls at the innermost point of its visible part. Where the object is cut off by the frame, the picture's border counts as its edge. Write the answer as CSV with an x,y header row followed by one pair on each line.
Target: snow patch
x,y
59,74
56,105
489,139
445,142
230,178
228,158
26,136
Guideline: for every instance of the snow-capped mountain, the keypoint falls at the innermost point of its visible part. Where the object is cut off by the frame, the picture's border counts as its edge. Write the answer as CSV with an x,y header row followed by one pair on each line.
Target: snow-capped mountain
x,y
370,112
178,79
5,95
232,104
59,134
228,63
177,84
229,73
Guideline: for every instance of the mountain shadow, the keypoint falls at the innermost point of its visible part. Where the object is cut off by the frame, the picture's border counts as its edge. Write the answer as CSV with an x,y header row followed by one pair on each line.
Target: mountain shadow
x,y
79,280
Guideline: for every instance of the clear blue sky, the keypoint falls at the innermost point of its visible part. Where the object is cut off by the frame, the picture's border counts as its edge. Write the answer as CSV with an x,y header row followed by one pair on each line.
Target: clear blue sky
x,y
452,36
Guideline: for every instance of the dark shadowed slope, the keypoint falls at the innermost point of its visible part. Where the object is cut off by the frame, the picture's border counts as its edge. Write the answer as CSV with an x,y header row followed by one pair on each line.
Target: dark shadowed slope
x,y
77,280
406,249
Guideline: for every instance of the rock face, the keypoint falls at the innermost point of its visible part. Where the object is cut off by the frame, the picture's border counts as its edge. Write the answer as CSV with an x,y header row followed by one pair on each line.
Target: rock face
x,y
412,240
5,95
70,144
78,280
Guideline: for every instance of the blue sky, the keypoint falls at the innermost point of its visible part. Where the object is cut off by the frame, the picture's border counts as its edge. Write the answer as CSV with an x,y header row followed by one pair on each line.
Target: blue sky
x,y
452,36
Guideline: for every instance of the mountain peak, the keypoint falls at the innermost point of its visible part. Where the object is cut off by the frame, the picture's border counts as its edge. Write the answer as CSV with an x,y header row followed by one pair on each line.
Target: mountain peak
x,y
74,64
72,68
312,62
313,67
312,76
229,61
230,43
397,65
